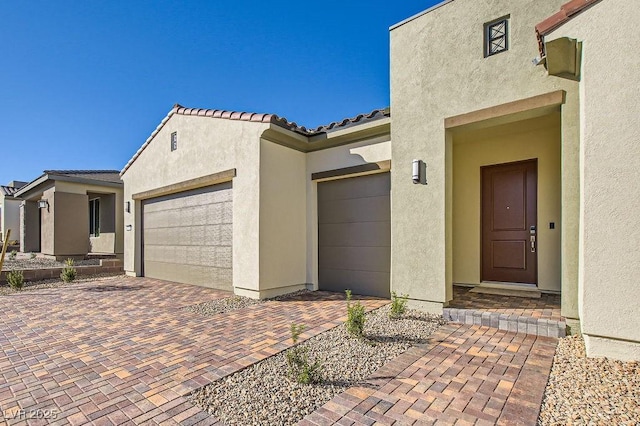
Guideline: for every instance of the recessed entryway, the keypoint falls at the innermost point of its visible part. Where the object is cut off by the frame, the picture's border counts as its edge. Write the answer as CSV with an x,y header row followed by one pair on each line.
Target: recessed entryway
x,y
503,253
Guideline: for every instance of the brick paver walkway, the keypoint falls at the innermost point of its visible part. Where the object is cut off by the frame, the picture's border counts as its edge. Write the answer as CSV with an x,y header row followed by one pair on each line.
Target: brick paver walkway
x,y
547,306
467,375
121,350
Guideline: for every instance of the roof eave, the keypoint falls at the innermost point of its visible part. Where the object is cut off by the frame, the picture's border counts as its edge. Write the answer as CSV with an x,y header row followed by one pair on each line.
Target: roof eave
x,y
419,14
32,187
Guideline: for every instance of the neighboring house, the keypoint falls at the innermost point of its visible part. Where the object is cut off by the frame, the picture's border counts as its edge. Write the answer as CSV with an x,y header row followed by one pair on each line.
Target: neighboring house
x,y
71,213
10,210
527,175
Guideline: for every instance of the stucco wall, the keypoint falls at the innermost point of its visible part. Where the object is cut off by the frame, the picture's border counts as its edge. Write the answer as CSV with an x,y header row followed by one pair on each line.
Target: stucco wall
x,y
71,224
105,242
205,146
10,210
534,138
283,236
610,101
30,226
47,223
438,70
355,154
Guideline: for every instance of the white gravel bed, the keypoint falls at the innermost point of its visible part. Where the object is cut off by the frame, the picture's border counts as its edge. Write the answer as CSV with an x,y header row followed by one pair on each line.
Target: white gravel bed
x,y
220,306
53,283
590,391
41,263
264,394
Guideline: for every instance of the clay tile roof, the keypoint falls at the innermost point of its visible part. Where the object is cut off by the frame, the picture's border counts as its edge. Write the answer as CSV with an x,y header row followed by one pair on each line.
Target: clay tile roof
x,y
8,190
102,175
259,118
359,119
567,11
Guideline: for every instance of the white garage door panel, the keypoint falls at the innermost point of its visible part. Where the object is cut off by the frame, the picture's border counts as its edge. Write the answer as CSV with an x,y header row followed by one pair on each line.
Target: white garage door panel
x,y
188,237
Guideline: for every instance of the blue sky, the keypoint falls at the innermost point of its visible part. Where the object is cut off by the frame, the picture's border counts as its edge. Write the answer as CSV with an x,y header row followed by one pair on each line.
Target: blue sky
x,y
84,83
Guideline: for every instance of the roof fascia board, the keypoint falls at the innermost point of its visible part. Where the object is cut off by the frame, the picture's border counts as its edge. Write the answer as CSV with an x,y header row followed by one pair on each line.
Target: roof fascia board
x,y
289,139
35,186
85,181
34,183
419,14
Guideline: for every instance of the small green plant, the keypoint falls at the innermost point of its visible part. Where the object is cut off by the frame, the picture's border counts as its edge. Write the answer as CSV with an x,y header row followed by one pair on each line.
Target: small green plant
x,y
12,255
398,305
298,359
355,317
32,255
15,280
68,273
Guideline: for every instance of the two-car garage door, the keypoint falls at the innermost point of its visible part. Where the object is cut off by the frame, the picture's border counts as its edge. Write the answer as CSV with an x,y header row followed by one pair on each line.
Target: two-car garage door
x,y
354,235
187,237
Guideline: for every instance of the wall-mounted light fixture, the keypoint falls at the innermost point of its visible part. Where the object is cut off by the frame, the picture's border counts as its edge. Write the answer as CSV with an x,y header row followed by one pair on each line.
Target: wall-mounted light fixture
x,y
127,206
419,172
416,171
43,204
128,227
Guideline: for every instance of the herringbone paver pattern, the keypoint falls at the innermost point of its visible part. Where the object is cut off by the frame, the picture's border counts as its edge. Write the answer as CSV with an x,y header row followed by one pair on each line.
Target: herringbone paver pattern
x,y
122,351
467,375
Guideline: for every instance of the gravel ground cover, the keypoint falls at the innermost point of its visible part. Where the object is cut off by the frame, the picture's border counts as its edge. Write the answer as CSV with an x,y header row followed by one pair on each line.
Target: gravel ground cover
x,y
593,391
21,263
264,394
53,283
220,306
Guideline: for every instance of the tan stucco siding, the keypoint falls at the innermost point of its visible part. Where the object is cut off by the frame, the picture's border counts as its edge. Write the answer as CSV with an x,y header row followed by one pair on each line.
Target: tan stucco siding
x,y
71,224
610,131
356,154
205,146
438,71
10,211
283,236
111,220
534,138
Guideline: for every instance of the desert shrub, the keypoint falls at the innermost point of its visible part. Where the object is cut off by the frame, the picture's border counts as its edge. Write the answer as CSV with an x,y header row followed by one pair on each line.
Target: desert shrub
x,y
398,305
355,317
300,368
68,273
15,280
13,254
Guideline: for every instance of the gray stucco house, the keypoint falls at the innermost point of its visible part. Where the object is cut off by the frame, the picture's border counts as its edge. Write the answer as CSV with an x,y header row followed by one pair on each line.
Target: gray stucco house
x,y
71,213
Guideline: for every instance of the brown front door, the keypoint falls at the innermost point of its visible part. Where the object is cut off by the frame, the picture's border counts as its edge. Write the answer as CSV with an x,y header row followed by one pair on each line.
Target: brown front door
x,y
509,222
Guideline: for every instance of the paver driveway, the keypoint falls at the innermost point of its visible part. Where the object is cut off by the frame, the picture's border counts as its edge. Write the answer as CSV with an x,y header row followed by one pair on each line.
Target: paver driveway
x,y
122,350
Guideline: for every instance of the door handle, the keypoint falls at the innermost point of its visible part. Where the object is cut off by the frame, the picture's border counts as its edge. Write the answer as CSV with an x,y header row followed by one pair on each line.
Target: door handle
x,y
533,244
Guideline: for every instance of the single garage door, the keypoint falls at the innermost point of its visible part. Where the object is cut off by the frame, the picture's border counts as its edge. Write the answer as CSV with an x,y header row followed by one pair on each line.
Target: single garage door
x,y
354,235
187,237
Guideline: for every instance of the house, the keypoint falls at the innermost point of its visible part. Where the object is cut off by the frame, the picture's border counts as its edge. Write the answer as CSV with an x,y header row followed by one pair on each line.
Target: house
x,y
261,206
72,213
10,210
532,169
510,161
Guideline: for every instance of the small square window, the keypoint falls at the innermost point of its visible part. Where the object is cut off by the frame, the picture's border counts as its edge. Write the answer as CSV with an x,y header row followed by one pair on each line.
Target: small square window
x,y
496,36
174,141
